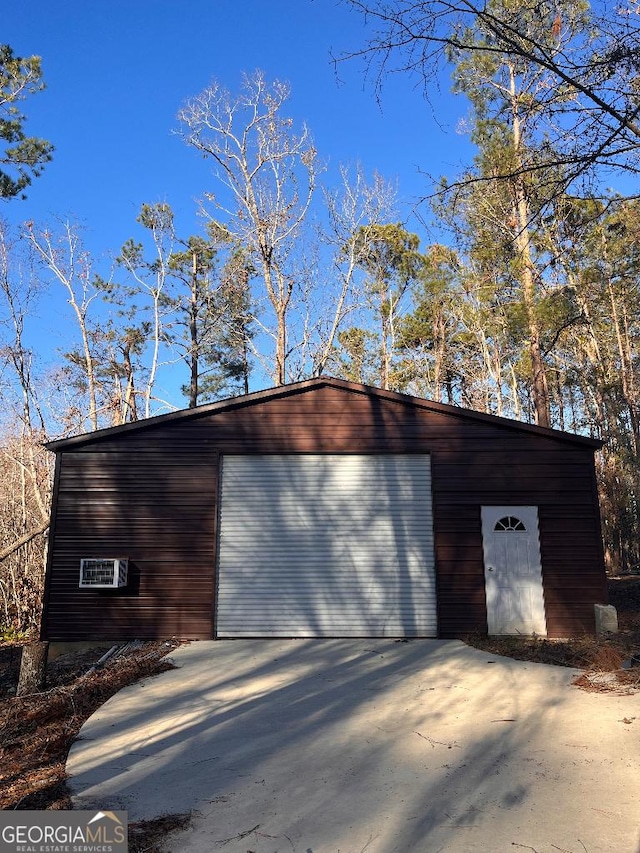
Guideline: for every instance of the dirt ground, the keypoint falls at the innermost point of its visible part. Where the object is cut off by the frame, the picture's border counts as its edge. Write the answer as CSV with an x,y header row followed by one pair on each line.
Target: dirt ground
x,y
609,663
36,731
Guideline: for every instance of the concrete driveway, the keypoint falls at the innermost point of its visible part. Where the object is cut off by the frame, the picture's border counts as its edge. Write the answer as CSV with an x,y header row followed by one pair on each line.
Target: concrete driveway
x,y
347,746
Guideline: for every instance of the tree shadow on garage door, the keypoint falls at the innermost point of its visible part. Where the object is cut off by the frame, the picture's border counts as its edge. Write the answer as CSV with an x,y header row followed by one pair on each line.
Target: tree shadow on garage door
x,y
326,545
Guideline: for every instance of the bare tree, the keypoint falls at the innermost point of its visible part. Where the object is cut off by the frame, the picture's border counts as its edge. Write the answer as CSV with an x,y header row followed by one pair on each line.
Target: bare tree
x,y
149,280
65,257
25,469
355,210
267,177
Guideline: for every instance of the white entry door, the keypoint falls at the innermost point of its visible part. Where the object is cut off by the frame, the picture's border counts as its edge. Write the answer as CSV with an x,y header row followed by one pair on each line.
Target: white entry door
x,y
513,571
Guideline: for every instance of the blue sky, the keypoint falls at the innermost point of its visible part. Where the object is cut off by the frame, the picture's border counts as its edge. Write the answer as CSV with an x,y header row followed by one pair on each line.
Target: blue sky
x,y
117,72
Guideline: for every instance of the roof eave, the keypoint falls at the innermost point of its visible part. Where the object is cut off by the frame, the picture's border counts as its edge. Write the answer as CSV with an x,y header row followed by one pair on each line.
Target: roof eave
x,y
181,414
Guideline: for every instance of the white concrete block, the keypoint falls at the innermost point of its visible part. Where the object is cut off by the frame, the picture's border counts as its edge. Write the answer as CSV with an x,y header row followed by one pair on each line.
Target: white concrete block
x,y
606,619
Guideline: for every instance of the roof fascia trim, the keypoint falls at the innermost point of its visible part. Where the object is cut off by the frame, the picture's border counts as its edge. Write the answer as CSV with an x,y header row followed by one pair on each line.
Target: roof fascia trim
x,y
472,414
182,414
257,397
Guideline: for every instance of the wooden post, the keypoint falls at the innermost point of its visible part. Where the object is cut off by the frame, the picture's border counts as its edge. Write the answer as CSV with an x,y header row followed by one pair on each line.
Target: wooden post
x,y
33,668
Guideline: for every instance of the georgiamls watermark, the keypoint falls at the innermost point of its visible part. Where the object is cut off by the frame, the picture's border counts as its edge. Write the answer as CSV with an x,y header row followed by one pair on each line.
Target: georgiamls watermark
x,y
63,832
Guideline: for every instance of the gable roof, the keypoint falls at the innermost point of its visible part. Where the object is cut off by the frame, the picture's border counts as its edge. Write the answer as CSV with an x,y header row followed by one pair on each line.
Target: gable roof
x,y
310,385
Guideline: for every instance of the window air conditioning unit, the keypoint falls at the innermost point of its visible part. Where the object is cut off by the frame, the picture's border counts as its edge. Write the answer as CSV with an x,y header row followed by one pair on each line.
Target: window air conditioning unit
x,y
99,573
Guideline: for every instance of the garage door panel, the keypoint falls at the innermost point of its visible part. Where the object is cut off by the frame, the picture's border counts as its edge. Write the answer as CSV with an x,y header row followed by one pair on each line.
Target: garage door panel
x,y
326,546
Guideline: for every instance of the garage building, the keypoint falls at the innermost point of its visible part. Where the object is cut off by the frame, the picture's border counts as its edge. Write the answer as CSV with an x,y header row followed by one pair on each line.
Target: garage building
x,y
323,509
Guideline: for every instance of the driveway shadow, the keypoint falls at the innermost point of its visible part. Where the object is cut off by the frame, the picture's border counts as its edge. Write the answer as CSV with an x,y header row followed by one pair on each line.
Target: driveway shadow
x,y
376,745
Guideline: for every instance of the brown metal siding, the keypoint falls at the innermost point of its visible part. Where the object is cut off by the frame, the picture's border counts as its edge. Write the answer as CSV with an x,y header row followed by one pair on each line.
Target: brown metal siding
x,y
518,470
150,494
154,506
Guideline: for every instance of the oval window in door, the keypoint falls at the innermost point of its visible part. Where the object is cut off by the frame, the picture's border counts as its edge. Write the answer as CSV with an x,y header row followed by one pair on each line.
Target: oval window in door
x,y
508,523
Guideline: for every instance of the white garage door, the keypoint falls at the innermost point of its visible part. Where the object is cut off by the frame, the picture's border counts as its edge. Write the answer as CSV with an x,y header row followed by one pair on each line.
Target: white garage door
x,y
326,546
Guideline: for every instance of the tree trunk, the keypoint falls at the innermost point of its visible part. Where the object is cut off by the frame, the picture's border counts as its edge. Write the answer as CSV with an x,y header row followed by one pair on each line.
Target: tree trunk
x,y
539,388
130,405
9,549
194,348
33,668
439,354
281,348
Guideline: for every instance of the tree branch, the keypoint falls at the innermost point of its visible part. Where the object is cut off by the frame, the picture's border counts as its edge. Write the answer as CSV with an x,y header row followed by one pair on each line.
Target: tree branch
x,y
23,540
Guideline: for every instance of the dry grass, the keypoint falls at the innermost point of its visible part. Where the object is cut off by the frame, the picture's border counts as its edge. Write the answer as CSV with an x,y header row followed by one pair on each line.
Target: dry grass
x,y
37,731
602,659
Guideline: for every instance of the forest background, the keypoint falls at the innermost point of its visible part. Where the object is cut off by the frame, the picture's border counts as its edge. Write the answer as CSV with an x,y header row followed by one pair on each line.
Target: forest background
x,y
174,231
